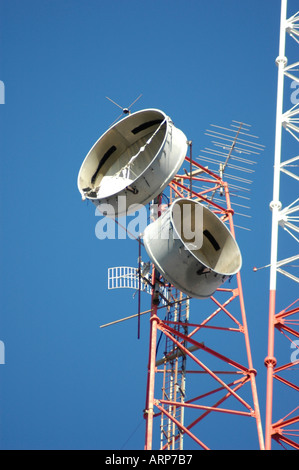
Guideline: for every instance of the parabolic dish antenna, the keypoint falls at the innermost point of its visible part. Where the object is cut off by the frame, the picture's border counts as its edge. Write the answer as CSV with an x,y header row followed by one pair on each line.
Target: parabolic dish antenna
x,y
136,158
197,264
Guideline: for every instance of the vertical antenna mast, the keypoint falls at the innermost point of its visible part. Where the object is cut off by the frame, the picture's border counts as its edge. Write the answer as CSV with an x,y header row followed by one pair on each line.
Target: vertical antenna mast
x,y
287,120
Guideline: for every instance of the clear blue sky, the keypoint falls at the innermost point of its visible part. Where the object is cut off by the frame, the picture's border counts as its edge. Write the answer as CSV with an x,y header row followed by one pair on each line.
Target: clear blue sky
x,y
67,384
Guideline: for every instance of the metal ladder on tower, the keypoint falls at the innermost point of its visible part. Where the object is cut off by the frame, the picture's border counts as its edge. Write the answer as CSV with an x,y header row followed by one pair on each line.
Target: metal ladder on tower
x,y
173,384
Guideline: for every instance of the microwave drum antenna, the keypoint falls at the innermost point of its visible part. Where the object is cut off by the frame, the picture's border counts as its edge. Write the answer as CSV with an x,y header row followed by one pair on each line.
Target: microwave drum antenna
x,y
137,158
197,269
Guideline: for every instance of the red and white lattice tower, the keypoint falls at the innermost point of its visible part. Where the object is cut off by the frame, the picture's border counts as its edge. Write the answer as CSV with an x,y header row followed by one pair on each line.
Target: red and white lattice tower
x,y
282,415
204,382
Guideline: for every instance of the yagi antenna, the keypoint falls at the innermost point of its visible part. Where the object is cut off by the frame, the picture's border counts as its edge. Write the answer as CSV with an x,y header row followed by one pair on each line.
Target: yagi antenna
x,y
124,110
232,152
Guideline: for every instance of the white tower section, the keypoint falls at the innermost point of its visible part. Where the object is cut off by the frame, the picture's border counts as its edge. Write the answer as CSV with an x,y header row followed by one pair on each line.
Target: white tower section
x,y
286,217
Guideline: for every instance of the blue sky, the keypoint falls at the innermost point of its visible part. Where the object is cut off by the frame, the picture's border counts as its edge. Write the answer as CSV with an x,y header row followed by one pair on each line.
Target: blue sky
x,y
66,383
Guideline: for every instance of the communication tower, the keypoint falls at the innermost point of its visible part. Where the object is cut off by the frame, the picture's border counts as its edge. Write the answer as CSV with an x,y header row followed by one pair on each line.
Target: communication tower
x,y
282,415
195,373
226,386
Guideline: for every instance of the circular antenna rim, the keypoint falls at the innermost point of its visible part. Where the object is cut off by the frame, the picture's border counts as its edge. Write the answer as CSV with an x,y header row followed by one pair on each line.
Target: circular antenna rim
x,y
220,222
127,117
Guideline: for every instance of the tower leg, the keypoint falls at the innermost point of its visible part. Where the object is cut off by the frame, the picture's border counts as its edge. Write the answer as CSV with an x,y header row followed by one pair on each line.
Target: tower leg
x,y
275,206
149,408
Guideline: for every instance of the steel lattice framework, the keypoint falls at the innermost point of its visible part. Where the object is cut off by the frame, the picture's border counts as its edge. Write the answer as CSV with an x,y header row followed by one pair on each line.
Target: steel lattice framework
x,y
226,385
286,321
200,374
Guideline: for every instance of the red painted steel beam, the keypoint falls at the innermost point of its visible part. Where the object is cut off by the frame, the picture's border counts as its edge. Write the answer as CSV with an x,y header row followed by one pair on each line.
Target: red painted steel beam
x,y
286,366
149,408
280,437
287,313
222,209
207,408
219,402
282,326
183,428
206,170
167,331
170,332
